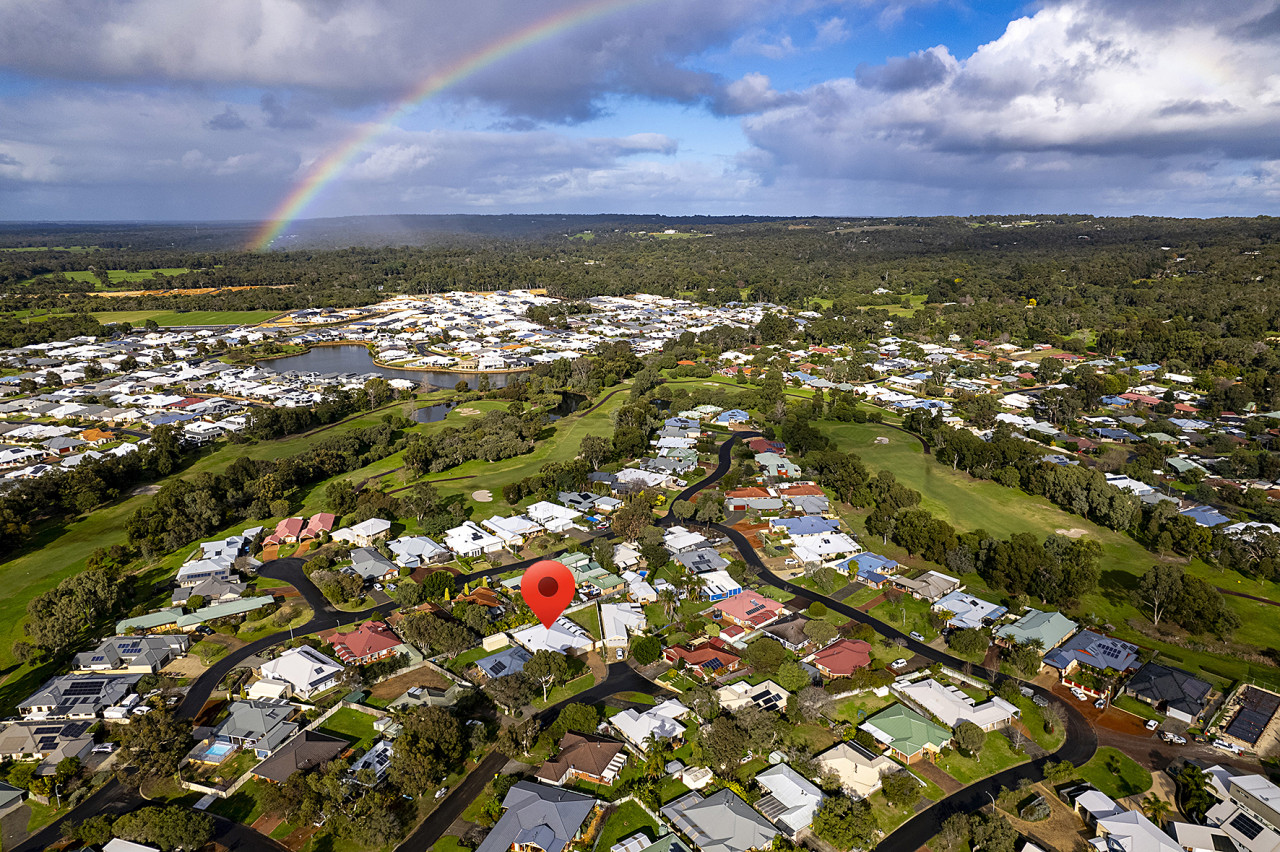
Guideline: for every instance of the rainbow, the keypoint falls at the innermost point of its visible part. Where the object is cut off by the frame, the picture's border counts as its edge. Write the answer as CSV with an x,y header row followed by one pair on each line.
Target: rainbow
x,y
325,170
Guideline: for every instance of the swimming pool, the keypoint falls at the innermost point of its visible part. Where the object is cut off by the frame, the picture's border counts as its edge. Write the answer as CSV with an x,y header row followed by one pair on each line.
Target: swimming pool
x,y
219,749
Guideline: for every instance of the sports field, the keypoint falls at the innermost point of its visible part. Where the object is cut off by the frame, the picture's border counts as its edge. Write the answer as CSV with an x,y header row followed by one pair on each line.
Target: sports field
x,y
175,318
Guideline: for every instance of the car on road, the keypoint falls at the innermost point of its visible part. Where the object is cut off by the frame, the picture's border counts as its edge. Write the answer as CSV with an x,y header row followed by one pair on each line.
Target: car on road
x,y
1226,746
1040,701
1079,694
1172,738
1152,724
898,664
916,636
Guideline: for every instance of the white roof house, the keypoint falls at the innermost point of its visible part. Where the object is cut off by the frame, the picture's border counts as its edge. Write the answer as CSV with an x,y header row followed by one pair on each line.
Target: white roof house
x,y
617,620
513,530
859,772
820,547
952,706
661,722
470,540
792,800
305,669
564,637
410,551
1131,831
552,516
966,610
364,533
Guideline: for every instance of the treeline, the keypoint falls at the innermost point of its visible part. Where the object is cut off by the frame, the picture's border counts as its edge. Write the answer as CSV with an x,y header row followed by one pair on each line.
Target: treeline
x,y
191,508
495,436
15,333
68,492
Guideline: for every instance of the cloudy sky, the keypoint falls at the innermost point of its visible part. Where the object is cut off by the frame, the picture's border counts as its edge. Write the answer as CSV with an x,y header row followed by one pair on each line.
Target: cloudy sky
x,y
189,109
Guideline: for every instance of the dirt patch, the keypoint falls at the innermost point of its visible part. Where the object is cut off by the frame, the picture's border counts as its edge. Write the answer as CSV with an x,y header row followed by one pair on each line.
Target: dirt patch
x,y
281,592
188,666
482,496
1074,532
933,773
467,412
866,607
270,552
145,489
266,823
1062,830
394,687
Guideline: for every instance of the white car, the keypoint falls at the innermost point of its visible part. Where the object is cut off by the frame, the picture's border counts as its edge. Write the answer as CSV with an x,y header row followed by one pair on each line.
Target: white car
x,y
1226,746
1079,694
898,664
916,636
377,587
104,748
391,587
622,653
1101,704
790,562
1152,724
1173,739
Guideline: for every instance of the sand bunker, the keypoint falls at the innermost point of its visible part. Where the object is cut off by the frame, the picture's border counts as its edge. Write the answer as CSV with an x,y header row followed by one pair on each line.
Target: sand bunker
x,y
1074,532
467,412
482,496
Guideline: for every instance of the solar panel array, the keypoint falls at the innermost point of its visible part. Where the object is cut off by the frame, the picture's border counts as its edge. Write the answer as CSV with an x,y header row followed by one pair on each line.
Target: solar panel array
x,y
1256,699
1256,709
1244,824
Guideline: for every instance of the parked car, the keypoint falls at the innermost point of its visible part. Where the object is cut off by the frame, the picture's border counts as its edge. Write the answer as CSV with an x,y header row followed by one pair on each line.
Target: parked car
x,y
1172,738
391,587
1152,724
1079,694
104,748
1226,746
440,794
622,652
204,630
898,664
790,562
916,636
1040,701
1101,704
377,587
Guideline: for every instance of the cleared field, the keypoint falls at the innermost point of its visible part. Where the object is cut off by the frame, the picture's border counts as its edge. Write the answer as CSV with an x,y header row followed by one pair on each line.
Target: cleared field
x,y
171,318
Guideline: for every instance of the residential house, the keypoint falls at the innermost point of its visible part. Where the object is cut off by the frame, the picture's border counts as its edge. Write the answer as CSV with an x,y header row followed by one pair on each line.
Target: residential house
x,y
748,609
821,548
1049,629
196,571
951,706
618,621
790,634
551,517
909,736
1131,831
372,566
212,590
509,660
46,741
564,637
701,560
679,540
721,822
860,772
377,760
1177,693
662,722
286,531
585,757
469,540
307,750
538,818
305,670
774,465
791,801
365,533
967,611
1093,650
371,641
929,586
766,695
709,657
412,551
319,524
131,654
77,696
1249,810
718,585
513,531
263,725
842,658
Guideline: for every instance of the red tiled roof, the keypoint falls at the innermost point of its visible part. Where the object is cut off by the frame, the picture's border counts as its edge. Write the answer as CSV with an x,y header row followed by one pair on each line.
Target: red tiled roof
x,y
749,607
799,489
320,522
744,493
842,657
367,640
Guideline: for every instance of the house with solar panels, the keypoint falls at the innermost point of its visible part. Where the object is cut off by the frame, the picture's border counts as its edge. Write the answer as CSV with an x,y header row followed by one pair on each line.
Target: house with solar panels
x,y
132,654
77,696
46,741
1091,651
1249,810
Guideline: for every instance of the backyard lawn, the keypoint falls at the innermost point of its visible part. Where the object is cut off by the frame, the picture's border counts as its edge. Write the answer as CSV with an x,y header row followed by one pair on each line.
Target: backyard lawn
x,y
242,806
624,822
352,725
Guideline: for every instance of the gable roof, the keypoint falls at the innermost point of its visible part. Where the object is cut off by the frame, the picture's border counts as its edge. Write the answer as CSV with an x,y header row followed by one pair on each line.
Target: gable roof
x,y
307,750
1177,689
905,730
721,822
586,754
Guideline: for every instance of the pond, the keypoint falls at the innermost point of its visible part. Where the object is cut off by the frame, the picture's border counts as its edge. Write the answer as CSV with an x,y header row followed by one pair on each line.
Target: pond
x,y
433,413
354,358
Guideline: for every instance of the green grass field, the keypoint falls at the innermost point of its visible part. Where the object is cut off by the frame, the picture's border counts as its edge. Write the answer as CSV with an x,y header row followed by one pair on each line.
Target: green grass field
x,y
352,725
175,318
996,755
121,276
1116,774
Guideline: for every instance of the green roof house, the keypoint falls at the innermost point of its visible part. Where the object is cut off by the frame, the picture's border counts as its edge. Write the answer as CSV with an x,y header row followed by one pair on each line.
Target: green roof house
x,y
1050,629
908,735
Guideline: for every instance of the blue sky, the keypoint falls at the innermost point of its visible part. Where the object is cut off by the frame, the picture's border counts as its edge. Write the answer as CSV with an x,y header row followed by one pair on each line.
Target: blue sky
x,y
177,109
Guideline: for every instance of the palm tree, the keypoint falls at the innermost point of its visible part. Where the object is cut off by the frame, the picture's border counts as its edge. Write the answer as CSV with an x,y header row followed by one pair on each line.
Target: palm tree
x,y
668,600
1157,810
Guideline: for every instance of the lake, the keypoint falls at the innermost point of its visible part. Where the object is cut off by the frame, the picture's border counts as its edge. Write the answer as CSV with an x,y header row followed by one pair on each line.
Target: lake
x,y
354,358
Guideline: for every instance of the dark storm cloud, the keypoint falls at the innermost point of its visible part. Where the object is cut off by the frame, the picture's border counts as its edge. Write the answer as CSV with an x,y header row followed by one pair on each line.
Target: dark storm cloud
x,y
228,119
921,70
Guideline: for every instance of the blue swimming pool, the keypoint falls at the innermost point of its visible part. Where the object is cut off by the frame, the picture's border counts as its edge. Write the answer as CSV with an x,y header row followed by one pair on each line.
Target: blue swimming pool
x,y
219,749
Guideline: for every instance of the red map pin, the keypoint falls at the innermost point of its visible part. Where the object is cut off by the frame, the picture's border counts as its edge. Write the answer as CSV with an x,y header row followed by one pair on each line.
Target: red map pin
x,y
547,587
